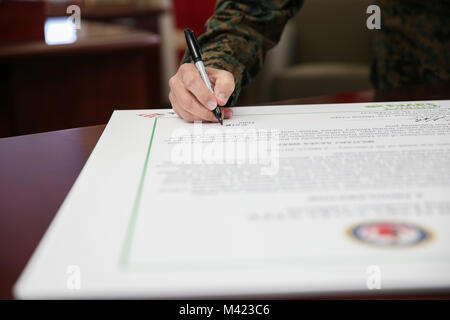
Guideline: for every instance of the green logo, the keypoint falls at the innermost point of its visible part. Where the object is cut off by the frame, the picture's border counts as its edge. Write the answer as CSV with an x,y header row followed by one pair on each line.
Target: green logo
x,y
404,106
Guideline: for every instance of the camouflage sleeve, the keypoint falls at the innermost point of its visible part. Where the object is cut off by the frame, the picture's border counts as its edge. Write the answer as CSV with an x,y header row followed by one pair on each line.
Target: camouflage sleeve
x,y
413,44
240,33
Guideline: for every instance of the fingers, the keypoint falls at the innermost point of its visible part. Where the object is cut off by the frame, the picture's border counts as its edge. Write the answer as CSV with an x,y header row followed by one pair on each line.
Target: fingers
x,y
180,111
193,83
223,84
192,100
187,106
227,113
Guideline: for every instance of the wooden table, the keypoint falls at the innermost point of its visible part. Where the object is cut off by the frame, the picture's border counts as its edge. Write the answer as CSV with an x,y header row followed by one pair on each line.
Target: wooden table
x,y
37,171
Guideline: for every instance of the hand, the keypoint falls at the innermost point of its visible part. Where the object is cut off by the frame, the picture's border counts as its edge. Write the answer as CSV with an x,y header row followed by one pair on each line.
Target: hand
x,y
192,100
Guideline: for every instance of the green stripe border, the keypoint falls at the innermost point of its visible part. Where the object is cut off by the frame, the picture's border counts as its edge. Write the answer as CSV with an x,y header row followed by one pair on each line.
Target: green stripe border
x,y
125,253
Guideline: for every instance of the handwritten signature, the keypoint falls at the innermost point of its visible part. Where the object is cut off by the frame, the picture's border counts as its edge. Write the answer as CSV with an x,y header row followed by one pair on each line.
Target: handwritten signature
x,y
429,119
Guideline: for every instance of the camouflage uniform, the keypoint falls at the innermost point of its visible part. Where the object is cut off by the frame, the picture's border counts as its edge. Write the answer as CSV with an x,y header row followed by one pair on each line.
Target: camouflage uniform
x,y
412,46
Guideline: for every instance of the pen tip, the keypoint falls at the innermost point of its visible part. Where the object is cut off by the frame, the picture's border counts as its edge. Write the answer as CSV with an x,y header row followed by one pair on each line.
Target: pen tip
x,y
221,121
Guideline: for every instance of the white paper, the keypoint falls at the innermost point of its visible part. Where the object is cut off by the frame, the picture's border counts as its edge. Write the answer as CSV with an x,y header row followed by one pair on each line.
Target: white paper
x,y
280,200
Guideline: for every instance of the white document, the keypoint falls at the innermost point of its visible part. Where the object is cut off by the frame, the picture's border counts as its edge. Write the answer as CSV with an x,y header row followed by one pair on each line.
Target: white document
x,y
302,200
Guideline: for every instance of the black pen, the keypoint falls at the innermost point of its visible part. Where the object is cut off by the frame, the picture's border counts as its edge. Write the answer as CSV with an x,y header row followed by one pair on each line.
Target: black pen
x,y
196,55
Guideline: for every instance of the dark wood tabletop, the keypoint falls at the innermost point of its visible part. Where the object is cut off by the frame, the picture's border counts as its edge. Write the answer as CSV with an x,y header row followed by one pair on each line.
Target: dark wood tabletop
x,y
38,170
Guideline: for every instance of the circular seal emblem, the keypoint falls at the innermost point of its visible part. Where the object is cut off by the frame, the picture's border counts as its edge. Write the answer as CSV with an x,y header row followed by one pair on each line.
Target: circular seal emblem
x,y
388,234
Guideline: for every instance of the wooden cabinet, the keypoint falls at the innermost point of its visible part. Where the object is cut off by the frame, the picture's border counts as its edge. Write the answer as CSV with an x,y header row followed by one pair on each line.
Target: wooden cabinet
x,y
49,87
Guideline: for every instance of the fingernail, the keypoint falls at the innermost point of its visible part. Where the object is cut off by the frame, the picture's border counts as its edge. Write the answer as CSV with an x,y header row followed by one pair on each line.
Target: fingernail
x,y
223,97
228,113
211,104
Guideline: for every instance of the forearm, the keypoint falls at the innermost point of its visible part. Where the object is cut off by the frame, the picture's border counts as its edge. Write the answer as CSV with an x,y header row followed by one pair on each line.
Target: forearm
x,y
240,33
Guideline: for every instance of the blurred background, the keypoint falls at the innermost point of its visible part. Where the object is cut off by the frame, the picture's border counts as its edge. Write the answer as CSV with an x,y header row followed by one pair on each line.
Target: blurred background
x,y
57,74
